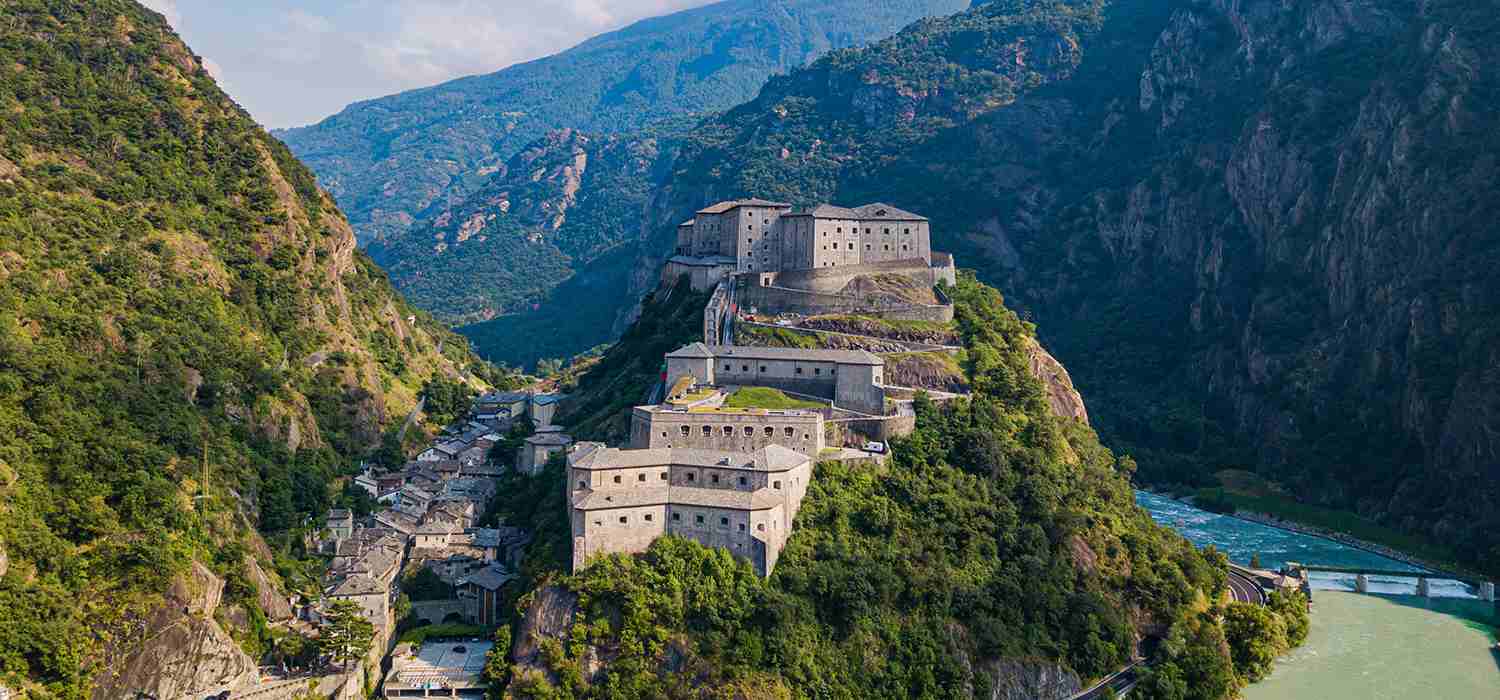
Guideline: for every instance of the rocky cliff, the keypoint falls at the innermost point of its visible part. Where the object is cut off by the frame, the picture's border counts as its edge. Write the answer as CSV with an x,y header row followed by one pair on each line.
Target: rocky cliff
x,y
179,650
1254,231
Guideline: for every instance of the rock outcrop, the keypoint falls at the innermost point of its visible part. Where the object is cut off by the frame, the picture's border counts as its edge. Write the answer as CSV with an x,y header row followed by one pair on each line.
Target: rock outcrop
x,y
549,616
177,650
1031,679
1065,400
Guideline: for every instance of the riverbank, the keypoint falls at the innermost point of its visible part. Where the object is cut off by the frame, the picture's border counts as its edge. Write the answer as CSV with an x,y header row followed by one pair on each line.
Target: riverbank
x,y
1343,538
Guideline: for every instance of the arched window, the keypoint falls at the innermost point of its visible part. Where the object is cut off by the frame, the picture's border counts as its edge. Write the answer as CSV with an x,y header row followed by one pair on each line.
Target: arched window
x,y
770,432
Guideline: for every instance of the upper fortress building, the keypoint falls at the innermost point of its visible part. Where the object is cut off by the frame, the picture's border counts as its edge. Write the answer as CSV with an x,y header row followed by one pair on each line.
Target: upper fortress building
x,y
758,236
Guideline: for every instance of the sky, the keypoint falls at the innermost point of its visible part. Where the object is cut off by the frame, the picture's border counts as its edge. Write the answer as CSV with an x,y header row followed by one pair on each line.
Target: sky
x,y
294,62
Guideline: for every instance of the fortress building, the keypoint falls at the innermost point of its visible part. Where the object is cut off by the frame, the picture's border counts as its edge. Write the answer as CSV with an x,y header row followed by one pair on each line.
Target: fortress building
x,y
760,236
852,379
622,500
727,429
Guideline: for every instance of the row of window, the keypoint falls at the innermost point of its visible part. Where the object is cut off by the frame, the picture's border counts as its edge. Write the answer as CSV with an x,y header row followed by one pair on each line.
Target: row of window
x,y
867,246
728,430
817,371
691,478
699,521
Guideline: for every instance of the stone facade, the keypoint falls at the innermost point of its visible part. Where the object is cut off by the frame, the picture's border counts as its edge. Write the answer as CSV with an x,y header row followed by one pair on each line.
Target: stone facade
x,y
622,500
539,448
852,379
726,429
756,235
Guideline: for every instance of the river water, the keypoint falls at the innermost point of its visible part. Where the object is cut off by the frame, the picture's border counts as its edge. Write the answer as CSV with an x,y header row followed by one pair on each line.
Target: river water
x,y
1361,647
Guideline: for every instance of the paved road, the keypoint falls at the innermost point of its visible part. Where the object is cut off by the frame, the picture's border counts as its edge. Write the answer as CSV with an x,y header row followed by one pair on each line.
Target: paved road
x,y
1122,682
1244,589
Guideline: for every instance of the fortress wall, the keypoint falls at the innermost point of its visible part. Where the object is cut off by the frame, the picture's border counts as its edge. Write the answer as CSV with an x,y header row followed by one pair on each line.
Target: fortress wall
x,y
602,532
830,280
780,300
665,429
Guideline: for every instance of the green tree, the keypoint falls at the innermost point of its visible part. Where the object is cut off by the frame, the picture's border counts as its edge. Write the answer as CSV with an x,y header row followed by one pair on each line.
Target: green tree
x,y
497,664
346,632
1256,637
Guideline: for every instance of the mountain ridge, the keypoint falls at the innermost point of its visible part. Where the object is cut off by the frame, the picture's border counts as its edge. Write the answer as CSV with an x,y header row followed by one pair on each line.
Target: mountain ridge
x,y
699,60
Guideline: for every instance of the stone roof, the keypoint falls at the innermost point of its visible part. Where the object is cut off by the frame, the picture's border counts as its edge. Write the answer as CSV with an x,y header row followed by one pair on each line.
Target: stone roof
x,y
828,211
357,585
884,212
547,399
731,205
869,212
606,499
340,514
549,440
490,578
844,357
771,458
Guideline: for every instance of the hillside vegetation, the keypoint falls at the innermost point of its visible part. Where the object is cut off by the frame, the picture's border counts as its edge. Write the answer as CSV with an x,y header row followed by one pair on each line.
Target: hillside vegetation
x,y
191,347
1255,233
999,538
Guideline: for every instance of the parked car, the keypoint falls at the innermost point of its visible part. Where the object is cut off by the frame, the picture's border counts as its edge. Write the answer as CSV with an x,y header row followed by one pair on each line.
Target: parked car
x,y
876,447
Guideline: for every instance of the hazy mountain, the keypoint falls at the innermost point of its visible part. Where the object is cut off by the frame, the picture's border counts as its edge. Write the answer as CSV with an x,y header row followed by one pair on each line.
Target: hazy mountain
x,y
395,160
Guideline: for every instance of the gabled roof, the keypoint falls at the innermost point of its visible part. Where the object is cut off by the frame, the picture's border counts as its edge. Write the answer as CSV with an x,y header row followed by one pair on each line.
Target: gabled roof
x,y
490,578
695,351
880,211
828,211
357,585
550,440
731,205
547,399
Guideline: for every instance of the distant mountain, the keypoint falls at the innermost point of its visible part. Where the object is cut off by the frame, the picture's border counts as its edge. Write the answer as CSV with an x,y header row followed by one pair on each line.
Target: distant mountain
x,y
396,160
1259,234
193,351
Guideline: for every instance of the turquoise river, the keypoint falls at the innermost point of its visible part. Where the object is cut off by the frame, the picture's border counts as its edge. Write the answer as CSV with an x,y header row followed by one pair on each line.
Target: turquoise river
x,y
1382,646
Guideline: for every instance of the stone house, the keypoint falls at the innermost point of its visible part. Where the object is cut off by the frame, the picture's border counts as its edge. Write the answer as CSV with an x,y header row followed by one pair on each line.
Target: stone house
x,y
340,524
622,500
539,448
484,586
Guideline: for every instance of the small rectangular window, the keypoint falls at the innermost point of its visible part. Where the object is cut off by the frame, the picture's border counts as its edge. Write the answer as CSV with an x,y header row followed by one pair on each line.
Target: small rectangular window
x,y
617,479
648,517
776,484
698,519
677,517
743,481
724,522
623,520
714,478
799,370
742,527
640,477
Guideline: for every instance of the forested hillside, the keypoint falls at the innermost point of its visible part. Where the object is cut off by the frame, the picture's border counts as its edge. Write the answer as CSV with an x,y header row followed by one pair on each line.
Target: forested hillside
x,y
397,160
192,350
999,554
1256,233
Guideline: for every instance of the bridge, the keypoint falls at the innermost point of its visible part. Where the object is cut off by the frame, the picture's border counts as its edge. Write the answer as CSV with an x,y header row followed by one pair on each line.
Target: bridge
x,y
436,612
1483,590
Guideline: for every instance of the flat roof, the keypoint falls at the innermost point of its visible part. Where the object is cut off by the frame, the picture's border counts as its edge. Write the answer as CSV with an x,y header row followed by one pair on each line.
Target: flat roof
x,y
733,204
457,663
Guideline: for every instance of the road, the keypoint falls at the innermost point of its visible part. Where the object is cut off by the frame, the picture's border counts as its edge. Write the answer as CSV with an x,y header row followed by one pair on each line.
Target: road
x,y
1121,683
1244,589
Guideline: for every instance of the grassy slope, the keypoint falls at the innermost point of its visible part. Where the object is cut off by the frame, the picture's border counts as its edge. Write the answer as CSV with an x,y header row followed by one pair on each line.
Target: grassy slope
x,y
188,338
762,397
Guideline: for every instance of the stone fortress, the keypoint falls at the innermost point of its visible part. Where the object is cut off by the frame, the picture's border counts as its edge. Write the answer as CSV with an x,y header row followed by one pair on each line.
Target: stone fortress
x,y
823,258
735,477
622,500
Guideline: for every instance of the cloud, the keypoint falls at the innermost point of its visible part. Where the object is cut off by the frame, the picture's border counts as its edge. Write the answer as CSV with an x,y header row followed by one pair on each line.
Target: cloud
x,y
435,40
167,8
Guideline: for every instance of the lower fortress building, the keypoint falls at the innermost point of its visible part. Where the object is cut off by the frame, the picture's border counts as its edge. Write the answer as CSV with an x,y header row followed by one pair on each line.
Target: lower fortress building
x,y
744,502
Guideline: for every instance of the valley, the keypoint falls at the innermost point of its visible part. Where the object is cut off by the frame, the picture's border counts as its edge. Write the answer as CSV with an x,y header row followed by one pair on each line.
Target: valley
x,y
767,349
